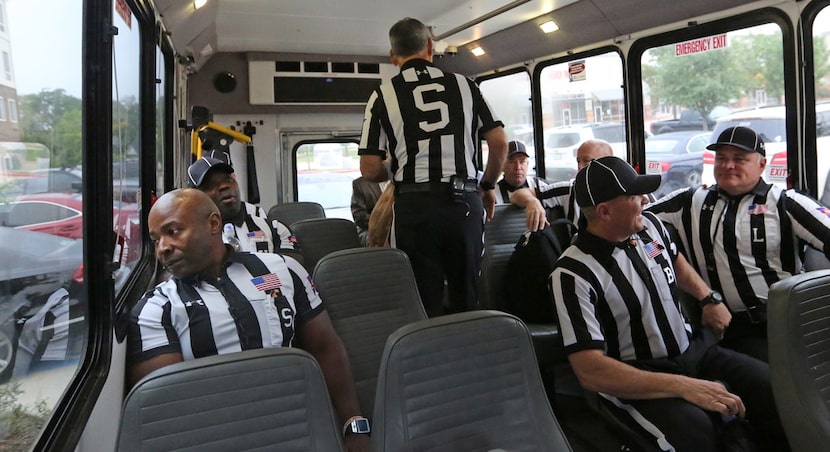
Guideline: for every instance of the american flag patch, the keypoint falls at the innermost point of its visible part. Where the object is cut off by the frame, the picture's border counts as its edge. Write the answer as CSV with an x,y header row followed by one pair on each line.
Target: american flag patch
x,y
267,282
292,238
757,209
823,210
256,234
311,283
653,249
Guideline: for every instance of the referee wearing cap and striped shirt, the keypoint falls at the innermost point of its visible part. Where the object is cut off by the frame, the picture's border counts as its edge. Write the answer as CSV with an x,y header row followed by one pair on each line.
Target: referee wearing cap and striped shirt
x,y
626,336
743,234
256,233
515,175
430,123
558,193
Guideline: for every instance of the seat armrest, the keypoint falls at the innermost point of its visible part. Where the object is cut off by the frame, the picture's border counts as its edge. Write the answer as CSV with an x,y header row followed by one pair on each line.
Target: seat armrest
x,y
548,343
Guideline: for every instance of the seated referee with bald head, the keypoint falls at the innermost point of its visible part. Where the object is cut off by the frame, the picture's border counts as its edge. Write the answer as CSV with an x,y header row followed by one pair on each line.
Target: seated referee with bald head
x,y
625,334
223,301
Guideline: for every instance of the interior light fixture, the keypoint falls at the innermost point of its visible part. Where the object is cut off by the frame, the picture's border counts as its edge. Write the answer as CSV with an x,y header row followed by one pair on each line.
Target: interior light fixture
x,y
549,26
199,3
477,51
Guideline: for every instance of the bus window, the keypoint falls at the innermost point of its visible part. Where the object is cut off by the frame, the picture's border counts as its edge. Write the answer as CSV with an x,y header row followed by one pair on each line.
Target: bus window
x,y
125,146
738,80
161,119
582,99
42,327
509,97
821,75
325,172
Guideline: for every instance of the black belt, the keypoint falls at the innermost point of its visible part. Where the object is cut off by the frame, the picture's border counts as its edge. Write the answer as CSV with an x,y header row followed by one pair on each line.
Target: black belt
x,y
470,186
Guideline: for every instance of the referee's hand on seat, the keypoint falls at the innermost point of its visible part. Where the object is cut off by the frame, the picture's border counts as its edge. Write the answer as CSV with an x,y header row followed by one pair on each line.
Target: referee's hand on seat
x,y
536,216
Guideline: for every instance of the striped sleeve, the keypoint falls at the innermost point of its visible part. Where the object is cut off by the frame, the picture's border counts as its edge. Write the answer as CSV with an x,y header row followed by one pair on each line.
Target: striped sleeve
x,y
150,330
372,136
553,195
307,301
670,207
575,300
810,220
487,119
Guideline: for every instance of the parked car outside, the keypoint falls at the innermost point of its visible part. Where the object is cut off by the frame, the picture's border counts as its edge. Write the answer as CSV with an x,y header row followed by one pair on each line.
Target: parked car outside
x,y
69,180
34,265
59,214
47,180
770,123
678,157
561,144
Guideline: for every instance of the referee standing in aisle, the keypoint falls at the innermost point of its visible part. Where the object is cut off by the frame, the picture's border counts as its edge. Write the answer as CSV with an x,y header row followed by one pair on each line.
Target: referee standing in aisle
x,y
430,122
743,234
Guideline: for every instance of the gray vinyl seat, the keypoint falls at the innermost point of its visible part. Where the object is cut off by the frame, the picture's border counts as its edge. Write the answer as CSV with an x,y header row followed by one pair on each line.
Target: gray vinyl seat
x,y
320,236
291,212
368,293
798,325
500,237
463,382
265,399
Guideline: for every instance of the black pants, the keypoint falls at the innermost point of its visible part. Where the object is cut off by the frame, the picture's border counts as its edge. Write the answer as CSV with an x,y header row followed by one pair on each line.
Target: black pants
x,y
443,237
748,335
685,426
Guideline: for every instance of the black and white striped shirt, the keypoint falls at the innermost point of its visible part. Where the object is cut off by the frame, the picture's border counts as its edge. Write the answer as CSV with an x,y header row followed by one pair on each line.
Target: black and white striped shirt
x,y
619,297
504,190
429,121
559,194
199,318
742,245
258,234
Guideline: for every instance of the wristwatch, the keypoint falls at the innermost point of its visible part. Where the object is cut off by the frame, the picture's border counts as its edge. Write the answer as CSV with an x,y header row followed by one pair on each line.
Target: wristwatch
x,y
357,426
713,298
487,185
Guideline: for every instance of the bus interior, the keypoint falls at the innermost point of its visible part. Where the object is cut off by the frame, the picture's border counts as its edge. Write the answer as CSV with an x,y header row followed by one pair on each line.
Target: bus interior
x,y
116,108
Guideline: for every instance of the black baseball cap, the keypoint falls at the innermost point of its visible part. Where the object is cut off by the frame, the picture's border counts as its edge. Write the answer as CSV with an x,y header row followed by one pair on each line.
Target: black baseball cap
x,y
740,137
606,178
198,170
516,147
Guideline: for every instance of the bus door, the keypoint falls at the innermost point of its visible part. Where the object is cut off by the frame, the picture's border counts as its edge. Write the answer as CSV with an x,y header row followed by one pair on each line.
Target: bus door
x,y
320,166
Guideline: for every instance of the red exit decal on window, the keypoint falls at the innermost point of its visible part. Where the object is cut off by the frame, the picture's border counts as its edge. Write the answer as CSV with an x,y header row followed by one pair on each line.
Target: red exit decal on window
x,y
700,45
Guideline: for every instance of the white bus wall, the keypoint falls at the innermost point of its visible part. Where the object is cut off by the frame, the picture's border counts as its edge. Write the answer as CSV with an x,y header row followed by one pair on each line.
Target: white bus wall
x,y
273,163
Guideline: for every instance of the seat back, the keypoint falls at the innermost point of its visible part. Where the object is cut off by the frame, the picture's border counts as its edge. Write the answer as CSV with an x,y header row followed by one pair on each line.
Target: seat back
x,y
798,313
463,382
320,236
500,236
292,212
274,399
369,293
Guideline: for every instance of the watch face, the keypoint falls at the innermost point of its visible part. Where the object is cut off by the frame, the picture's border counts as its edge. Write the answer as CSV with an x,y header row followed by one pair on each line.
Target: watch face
x,y
360,426
717,297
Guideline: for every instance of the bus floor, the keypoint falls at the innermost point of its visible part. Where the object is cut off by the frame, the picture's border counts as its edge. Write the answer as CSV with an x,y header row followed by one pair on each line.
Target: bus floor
x,y
585,430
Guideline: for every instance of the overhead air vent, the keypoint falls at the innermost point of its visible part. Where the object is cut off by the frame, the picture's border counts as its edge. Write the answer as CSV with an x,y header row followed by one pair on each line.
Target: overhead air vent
x,y
314,82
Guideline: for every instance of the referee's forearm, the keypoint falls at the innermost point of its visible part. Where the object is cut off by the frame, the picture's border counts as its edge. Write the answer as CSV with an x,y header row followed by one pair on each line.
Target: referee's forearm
x,y
688,280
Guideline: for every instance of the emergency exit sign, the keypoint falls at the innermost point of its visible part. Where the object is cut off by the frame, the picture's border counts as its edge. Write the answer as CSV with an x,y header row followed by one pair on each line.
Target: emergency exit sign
x,y
700,45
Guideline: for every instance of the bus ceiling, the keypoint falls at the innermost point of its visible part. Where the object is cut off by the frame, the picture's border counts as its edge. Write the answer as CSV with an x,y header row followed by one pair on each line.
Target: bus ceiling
x,y
507,30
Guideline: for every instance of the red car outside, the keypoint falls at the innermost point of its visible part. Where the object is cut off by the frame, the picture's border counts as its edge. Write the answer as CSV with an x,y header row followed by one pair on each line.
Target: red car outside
x,y
58,214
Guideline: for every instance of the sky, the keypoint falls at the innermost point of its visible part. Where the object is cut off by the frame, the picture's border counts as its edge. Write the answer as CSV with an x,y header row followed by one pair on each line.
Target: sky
x,y
46,50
